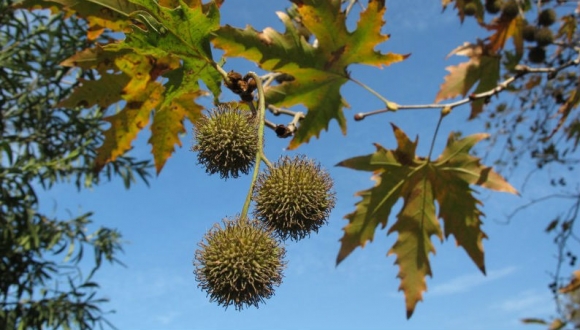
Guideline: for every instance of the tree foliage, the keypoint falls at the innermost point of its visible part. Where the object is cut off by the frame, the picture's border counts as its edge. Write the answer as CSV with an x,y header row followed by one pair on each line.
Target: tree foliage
x,y
156,72
41,284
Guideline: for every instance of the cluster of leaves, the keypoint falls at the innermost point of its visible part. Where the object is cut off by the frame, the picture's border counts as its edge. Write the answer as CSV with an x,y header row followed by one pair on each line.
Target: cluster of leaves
x,y
40,145
154,74
542,122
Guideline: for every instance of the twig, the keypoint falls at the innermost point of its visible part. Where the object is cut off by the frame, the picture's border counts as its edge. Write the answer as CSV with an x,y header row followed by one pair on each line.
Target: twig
x,y
520,71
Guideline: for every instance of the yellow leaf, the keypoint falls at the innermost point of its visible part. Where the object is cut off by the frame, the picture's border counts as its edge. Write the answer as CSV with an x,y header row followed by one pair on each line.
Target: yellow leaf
x,y
127,123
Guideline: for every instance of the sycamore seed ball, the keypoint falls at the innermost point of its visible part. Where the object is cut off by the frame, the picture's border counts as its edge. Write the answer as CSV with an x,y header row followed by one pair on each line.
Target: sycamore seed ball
x,y
544,36
239,263
227,141
537,55
470,9
493,6
294,197
510,9
529,33
547,17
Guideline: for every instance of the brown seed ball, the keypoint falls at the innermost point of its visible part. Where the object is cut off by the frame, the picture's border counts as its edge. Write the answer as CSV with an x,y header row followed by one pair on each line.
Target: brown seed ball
x,y
544,36
470,9
294,197
510,9
239,263
547,17
227,141
529,33
537,55
493,6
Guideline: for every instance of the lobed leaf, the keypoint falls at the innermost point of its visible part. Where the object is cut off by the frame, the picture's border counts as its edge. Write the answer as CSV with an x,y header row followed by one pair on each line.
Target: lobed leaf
x,y
416,223
127,123
400,174
481,67
376,203
318,71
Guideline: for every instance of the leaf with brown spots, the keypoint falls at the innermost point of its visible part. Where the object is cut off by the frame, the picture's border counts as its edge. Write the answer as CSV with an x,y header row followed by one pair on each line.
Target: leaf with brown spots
x,y
319,70
127,123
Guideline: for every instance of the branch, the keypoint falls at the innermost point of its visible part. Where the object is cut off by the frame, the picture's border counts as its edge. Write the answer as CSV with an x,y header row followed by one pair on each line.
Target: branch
x,y
520,71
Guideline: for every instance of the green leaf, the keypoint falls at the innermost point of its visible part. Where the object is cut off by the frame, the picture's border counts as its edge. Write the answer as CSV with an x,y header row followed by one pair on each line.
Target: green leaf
x,y
458,162
481,67
532,320
318,71
173,43
376,203
415,225
420,182
168,123
102,92
100,14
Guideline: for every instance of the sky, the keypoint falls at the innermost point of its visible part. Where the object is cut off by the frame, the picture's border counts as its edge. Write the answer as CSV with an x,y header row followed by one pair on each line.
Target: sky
x,y
163,223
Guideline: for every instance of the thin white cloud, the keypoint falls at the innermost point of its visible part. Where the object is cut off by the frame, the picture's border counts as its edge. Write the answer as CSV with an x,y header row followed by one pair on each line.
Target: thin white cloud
x,y
467,282
528,301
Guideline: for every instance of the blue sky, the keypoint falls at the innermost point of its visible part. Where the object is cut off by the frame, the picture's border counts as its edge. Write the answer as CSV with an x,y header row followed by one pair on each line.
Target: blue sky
x,y
162,224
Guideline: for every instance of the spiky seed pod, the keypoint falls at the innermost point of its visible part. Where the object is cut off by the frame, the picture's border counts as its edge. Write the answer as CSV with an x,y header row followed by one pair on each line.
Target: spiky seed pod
x,y
510,9
547,17
294,197
470,9
493,6
529,33
227,141
544,36
239,263
537,54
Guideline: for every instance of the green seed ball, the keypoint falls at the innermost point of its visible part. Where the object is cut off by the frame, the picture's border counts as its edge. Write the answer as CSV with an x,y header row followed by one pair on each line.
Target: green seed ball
x,y
227,141
544,36
239,263
547,17
537,55
493,6
470,9
510,9
294,197
529,33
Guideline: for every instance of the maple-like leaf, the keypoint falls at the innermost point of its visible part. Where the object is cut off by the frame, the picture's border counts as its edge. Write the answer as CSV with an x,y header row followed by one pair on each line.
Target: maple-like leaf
x,y
482,68
172,43
127,123
318,70
401,174
115,15
504,30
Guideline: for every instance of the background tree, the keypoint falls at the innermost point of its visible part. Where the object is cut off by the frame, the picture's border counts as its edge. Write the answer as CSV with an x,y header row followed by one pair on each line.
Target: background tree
x,y
41,282
529,49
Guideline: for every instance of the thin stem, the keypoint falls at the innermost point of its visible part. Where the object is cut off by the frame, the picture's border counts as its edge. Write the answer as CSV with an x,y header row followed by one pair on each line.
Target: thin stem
x,y
265,160
520,71
260,154
391,106
443,114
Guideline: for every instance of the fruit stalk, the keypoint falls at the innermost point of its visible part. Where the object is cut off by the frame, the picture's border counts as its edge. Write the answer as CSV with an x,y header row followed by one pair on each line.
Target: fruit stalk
x,y
259,154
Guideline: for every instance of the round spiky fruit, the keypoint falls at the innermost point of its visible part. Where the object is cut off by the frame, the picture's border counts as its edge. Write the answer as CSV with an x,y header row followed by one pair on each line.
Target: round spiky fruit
x,y
239,263
510,9
537,54
493,6
294,197
547,17
470,9
529,33
227,141
544,36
